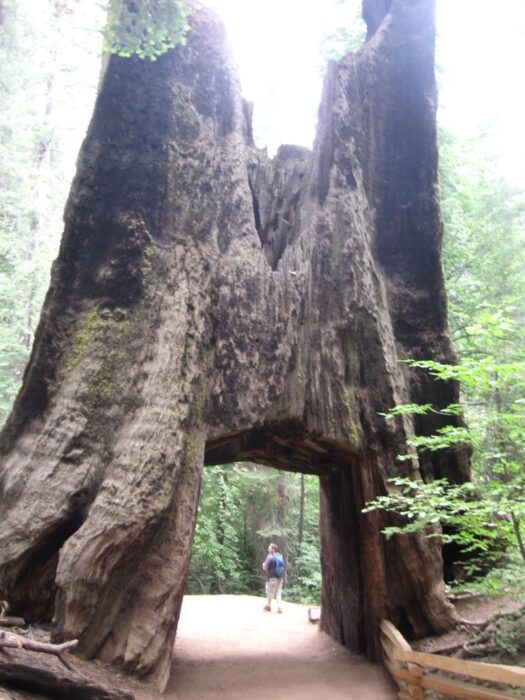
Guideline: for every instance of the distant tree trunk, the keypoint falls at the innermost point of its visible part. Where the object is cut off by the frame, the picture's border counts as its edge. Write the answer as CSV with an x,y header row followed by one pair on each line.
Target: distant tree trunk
x,y
300,526
220,526
281,509
174,335
43,153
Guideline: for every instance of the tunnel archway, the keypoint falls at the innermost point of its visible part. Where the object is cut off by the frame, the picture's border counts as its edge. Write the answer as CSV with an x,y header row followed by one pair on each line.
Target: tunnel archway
x,y
243,506
287,446
355,592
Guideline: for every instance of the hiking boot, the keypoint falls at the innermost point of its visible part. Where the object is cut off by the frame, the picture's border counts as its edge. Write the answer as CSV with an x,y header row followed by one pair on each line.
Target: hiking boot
x,y
279,610
267,608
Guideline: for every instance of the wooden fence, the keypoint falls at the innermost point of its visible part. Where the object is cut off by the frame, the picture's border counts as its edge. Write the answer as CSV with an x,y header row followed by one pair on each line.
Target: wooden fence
x,y
415,672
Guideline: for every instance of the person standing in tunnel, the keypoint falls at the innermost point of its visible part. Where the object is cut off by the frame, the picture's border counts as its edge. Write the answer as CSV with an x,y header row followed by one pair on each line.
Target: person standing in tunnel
x,y
274,567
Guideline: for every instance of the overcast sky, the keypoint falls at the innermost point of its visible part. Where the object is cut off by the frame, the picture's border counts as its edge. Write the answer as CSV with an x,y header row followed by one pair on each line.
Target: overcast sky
x,y
481,52
481,48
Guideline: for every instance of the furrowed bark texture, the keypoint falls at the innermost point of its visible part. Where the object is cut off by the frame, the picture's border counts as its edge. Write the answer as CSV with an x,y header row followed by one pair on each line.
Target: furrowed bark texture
x,y
210,305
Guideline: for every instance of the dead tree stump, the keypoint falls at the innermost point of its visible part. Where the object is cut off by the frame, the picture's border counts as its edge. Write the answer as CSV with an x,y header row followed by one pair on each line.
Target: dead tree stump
x,y
210,305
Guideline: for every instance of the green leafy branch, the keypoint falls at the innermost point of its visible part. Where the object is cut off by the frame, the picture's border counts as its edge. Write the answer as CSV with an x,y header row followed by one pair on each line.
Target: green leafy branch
x,y
483,517
146,29
477,524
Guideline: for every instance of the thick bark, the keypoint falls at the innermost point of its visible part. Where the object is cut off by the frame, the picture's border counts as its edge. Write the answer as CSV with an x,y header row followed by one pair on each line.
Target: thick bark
x,y
209,305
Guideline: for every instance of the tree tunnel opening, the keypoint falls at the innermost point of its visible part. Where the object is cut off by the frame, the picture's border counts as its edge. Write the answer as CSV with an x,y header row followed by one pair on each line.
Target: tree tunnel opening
x,y
243,507
285,458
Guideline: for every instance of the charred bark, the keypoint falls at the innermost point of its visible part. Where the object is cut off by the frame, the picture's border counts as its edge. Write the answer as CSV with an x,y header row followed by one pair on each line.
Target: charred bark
x,y
209,305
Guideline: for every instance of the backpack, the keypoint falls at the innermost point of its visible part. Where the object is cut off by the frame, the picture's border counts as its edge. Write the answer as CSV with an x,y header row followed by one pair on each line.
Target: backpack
x,y
279,565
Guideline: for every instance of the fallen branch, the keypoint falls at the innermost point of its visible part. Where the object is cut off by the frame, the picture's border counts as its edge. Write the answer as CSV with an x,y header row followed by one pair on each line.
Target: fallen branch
x,y
449,649
478,650
512,614
15,641
465,595
12,622
474,623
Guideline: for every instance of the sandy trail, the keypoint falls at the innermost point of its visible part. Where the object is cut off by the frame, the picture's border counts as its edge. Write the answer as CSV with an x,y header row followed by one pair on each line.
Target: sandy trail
x,y
227,647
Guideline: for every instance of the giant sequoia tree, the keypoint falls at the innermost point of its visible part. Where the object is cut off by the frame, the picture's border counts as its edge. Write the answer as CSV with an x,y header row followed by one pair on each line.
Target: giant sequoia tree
x,y
210,305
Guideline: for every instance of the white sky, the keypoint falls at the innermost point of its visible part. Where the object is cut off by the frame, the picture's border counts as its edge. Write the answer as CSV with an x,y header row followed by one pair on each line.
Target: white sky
x,y
276,46
481,48
481,51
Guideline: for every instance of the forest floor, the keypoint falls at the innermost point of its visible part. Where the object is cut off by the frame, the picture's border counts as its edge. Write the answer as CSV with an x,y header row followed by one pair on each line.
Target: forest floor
x,y
228,647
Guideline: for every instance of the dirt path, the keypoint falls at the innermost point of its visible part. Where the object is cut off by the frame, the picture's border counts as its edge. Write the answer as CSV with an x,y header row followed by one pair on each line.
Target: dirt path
x,y
228,647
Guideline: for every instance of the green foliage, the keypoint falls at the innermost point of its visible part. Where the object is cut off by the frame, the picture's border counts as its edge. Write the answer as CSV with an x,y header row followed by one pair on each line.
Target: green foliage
x,y
509,636
222,552
485,516
507,577
242,508
346,38
478,520
304,579
50,68
146,28
483,252
483,256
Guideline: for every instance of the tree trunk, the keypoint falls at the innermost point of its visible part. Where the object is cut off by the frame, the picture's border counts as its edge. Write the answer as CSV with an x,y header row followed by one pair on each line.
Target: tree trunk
x,y
210,305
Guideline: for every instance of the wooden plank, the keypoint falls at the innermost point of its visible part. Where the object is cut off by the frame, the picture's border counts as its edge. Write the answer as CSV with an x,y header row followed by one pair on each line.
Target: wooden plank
x,y
476,669
456,689
395,636
415,670
416,692
403,674
388,648
519,669
464,691
393,672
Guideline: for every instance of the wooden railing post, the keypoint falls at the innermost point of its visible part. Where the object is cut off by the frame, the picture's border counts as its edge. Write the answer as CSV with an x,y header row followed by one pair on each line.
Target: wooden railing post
x,y
409,669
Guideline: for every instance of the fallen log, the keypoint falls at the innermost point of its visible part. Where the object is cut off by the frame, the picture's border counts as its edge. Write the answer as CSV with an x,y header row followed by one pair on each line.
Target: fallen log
x,y
23,671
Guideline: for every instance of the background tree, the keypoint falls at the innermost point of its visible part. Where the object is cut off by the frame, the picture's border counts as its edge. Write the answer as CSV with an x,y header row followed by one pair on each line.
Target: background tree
x,y
485,265
50,53
484,261
242,508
